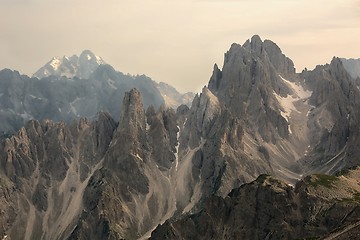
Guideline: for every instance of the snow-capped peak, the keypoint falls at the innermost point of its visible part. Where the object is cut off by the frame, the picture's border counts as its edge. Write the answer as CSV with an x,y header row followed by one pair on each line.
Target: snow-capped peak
x,y
80,66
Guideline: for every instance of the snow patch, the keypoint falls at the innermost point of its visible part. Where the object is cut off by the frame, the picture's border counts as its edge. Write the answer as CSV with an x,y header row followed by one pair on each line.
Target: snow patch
x,y
185,123
73,108
138,157
111,83
99,60
177,149
55,63
298,90
26,115
287,103
35,97
209,104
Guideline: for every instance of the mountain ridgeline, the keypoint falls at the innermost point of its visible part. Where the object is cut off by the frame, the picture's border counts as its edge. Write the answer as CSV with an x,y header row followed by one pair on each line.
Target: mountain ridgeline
x,y
189,173
69,88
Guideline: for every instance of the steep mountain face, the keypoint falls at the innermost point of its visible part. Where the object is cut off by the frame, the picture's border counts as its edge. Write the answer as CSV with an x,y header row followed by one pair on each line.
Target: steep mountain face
x,y
286,119
94,180
134,189
270,209
251,119
336,102
75,66
59,98
258,116
45,169
352,66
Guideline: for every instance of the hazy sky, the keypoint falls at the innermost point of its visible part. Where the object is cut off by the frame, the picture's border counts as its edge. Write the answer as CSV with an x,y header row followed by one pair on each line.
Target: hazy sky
x,y
176,42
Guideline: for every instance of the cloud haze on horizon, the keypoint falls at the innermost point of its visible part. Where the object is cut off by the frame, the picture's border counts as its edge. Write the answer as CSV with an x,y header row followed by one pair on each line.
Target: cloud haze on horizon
x,y
176,42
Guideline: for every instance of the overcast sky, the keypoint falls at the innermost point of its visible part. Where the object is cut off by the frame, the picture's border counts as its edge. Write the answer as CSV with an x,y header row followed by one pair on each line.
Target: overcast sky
x,y
176,42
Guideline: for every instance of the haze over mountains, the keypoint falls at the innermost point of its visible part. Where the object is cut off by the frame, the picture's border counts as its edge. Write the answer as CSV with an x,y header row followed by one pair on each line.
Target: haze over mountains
x,y
72,87
192,170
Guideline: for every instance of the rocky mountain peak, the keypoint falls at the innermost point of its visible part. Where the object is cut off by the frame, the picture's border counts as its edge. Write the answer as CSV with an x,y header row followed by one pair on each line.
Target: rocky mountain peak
x,y
81,67
204,109
132,108
337,66
215,78
316,209
271,50
282,64
90,56
256,45
88,63
132,117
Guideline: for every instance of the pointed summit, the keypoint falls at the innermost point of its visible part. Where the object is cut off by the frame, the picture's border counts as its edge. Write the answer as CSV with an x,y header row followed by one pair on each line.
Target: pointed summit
x,y
256,45
74,66
132,119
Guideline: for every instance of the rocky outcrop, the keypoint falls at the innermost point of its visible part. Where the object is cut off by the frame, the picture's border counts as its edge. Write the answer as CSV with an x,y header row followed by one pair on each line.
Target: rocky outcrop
x,y
336,109
8,199
49,165
162,133
243,119
134,189
270,209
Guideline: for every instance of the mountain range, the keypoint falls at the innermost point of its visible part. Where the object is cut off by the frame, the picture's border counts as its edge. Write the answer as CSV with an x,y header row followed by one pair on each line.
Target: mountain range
x,y
263,152
69,88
